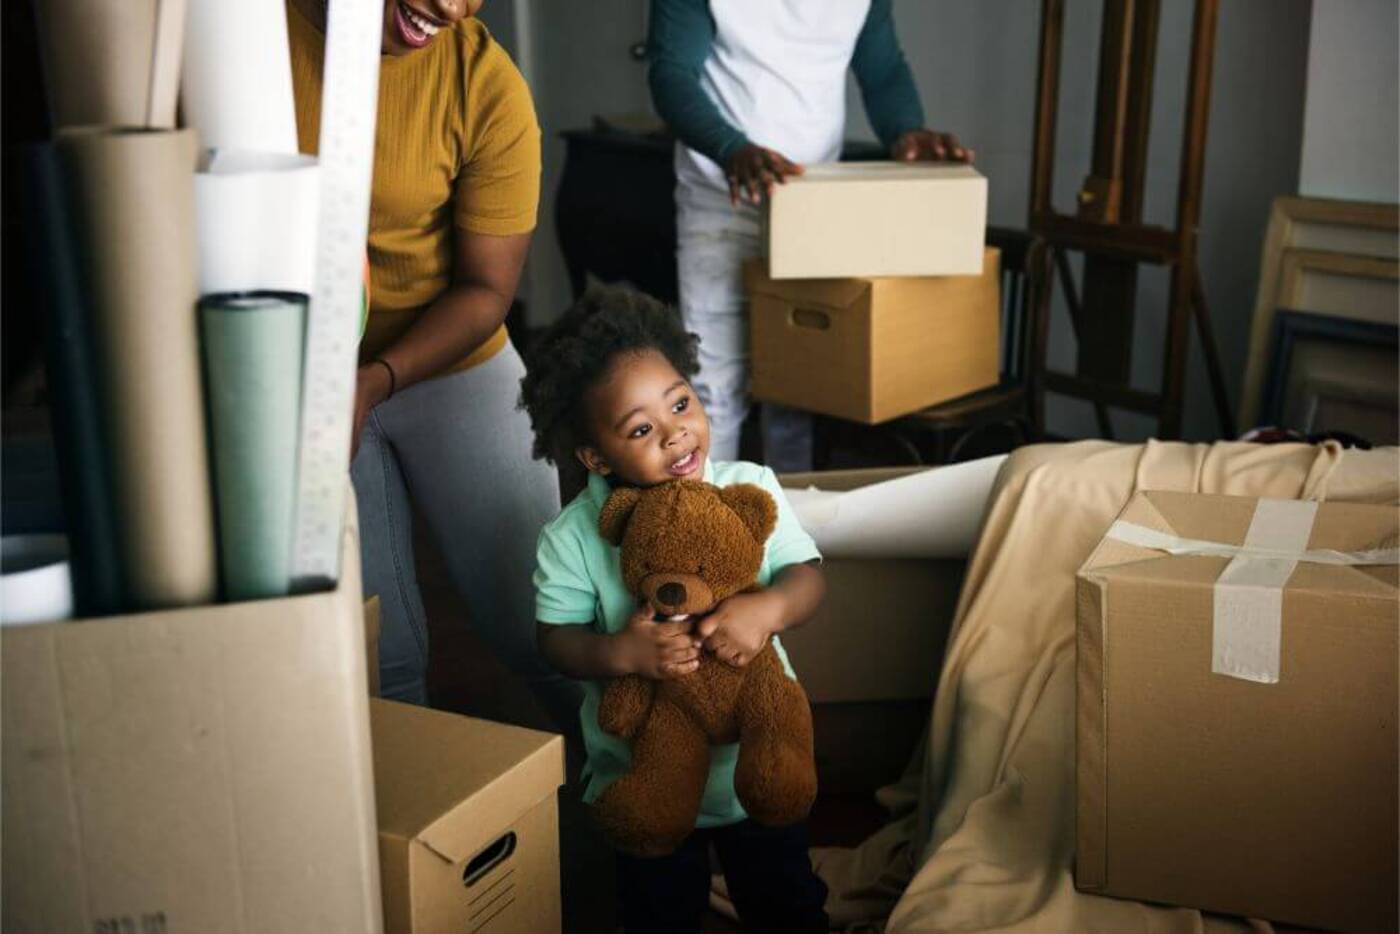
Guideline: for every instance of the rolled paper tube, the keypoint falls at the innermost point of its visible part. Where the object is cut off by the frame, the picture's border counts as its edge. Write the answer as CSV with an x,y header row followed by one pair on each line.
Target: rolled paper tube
x,y
112,62
252,359
72,380
236,81
35,586
132,194
257,222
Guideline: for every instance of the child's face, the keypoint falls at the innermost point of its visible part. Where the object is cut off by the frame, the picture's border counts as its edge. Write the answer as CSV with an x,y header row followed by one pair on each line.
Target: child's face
x,y
645,423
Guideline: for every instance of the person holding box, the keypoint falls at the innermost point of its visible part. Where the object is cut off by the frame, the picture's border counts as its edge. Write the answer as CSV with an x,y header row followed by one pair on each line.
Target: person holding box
x,y
753,91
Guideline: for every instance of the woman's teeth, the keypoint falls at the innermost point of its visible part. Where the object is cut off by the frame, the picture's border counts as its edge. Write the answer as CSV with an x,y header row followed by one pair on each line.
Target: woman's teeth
x,y
428,29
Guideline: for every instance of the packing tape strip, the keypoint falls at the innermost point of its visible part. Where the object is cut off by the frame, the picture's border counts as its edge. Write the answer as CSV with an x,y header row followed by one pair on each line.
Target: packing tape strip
x,y
1248,596
346,151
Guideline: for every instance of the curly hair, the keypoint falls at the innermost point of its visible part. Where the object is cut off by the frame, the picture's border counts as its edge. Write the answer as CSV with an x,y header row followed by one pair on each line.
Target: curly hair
x,y
576,351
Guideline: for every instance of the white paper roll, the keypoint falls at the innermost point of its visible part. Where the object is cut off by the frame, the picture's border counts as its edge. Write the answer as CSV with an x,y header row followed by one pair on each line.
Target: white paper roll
x,y
35,583
935,513
236,79
256,215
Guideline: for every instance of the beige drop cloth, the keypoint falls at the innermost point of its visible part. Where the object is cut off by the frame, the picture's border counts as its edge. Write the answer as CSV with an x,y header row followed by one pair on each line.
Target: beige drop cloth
x,y
982,837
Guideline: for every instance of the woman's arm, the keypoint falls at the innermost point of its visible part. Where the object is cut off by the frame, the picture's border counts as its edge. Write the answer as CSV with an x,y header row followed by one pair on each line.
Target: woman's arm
x,y
486,271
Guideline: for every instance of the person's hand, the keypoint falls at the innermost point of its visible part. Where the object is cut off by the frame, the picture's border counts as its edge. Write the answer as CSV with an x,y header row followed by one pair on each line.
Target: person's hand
x,y
371,388
929,146
657,650
739,627
752,172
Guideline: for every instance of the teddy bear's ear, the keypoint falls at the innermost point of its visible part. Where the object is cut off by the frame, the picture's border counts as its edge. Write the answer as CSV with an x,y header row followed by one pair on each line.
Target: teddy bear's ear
x,y
612,521
754,506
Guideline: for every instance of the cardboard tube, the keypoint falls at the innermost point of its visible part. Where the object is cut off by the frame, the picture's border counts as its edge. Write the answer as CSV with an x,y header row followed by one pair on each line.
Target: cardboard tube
x,y
236,81
132,193
111,61
72,379
252,363
257,222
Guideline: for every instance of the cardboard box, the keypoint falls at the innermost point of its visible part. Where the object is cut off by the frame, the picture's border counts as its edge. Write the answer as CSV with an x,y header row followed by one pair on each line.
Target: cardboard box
x,y
191,770
869,350
878,219
468,822
1201,782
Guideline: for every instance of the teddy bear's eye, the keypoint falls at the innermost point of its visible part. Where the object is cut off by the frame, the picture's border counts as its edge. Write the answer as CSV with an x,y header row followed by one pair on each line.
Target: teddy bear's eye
x,y
700,570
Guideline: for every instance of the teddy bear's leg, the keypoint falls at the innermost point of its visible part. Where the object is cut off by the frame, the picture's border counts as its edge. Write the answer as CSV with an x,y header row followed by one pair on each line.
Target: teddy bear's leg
x,y
625,705
776,776
652,809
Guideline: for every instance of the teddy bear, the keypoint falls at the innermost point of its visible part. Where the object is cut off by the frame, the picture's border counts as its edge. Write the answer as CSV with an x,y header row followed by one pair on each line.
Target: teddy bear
x,y
686,546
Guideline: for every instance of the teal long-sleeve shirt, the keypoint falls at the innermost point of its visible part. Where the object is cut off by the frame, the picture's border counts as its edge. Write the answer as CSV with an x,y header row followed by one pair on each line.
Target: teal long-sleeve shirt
x,y
679,41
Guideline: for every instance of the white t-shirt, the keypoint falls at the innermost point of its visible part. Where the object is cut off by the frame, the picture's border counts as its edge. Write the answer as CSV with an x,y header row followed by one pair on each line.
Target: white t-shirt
x,y
777,72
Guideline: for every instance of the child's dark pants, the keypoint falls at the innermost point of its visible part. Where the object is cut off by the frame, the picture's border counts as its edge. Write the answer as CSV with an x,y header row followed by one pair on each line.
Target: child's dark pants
x,y
768,869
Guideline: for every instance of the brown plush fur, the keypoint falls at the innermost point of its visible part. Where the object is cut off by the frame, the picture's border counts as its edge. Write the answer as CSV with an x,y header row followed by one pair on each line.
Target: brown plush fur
x,y
686,546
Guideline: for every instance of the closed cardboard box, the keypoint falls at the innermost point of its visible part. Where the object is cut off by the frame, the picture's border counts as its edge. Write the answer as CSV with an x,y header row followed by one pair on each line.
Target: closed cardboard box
x,y
468,823
869,350
193,770
1237,709
872,219
869,659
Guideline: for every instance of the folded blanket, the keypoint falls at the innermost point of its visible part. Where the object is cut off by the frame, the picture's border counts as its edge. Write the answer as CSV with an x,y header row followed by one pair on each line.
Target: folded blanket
x,y
982,832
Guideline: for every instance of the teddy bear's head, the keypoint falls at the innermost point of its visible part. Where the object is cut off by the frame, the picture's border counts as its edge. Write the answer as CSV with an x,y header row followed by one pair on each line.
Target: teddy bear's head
x,y
687,545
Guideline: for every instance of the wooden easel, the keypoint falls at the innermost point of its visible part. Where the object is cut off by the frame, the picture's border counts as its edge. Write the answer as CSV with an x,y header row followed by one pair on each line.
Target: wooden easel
x,y
1108,228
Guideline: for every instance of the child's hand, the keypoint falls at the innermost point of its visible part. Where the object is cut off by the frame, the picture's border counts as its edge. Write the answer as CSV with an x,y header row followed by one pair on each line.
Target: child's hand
x,y
657,650
739,628
930,146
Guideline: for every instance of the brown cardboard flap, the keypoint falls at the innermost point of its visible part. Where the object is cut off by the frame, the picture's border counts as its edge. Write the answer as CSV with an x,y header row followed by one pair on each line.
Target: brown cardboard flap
x,y
453,782
839,293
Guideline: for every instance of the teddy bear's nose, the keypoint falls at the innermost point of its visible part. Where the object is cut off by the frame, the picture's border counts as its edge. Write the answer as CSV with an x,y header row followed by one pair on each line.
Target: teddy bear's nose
x,y
671,594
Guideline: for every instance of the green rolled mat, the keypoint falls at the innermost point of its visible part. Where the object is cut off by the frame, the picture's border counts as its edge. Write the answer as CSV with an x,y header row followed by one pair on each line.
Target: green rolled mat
x,y
79,439
252,346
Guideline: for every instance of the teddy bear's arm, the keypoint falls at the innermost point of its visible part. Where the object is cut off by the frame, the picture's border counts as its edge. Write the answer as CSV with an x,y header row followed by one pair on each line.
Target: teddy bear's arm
x,y
625,705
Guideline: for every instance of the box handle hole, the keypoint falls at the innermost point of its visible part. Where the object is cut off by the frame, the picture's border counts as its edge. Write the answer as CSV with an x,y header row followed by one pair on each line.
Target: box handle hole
x,y
811,318
488,859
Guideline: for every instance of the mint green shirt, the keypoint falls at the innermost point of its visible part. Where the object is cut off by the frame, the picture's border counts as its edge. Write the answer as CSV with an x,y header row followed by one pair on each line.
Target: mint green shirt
x,y
578,581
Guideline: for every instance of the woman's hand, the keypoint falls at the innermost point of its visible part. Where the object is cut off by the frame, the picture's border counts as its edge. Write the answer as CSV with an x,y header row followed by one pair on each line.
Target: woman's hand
x,y
740,627
371,388
753,171
656,650
930,146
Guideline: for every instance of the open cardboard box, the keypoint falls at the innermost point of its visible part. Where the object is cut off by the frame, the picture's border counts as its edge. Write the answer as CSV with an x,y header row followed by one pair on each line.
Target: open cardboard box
x,y
870,659
202,769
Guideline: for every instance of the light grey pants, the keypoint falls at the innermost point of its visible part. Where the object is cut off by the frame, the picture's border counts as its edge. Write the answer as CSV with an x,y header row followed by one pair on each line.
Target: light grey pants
x,y
459,449
713,241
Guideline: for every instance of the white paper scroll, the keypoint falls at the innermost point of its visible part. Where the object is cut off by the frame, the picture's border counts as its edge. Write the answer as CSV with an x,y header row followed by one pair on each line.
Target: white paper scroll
x,y
935,513
236,79
256,215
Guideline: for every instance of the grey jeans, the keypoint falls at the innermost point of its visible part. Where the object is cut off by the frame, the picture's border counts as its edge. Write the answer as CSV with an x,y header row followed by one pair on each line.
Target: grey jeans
x,y
458,448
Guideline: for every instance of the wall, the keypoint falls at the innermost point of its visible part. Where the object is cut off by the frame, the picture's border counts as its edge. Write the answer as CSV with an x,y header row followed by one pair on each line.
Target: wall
x,y
975,65
1351,145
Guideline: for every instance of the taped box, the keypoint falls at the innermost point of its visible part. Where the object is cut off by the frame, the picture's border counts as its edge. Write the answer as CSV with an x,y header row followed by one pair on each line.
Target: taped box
x,y
869,350
1236,746
876,219
468,822
192,770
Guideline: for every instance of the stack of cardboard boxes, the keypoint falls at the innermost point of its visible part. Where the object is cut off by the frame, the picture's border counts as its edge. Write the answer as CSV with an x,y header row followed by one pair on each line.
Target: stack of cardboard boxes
x,y
878,296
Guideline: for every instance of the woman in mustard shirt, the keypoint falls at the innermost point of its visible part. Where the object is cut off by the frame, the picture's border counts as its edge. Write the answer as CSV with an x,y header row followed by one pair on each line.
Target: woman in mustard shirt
x,y
452,207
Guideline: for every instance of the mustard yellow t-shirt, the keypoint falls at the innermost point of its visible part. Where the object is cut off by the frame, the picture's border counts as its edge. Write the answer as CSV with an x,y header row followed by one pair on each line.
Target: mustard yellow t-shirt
x,y
456,146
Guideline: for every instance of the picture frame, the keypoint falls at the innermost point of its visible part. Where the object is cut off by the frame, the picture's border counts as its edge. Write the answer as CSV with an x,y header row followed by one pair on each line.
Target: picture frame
x,y
1337,390
1306,237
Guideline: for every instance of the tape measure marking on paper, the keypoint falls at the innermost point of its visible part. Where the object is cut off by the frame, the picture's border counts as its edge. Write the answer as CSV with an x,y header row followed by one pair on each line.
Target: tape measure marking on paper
x,y
349,100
